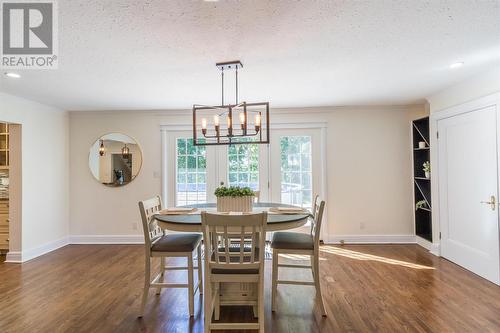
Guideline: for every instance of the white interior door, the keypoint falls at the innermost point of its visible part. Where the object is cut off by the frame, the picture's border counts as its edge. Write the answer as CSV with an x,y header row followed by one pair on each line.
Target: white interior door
x,y
468,175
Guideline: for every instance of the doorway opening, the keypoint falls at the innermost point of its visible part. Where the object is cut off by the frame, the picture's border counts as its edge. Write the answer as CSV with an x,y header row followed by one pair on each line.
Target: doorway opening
x,y
10,192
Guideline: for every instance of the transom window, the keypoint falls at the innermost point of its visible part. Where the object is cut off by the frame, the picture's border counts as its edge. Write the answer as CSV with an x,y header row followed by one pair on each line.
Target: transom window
x,y
191,173
296,173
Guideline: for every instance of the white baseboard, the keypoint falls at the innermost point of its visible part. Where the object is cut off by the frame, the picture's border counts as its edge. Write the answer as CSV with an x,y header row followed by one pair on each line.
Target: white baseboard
x,y
106,239
42,249
423,242
431,247
435,250
25,255
371,239
19,257
14,257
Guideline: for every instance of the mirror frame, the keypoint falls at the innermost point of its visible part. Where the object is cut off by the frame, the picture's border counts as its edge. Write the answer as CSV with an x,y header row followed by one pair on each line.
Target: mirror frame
x,y
100,138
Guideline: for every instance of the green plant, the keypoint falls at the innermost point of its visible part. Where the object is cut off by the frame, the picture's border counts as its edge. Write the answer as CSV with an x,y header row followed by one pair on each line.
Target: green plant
x,y
427,166
233,191
420,204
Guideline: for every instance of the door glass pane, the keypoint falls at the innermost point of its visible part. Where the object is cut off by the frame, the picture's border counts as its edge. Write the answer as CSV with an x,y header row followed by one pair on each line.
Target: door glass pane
x,y
243,165
191,187
296,174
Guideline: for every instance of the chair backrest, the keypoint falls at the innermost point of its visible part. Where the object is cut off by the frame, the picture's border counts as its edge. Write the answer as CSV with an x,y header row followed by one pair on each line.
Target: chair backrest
x,y
318,208
256,196
220,231
316,203
152,231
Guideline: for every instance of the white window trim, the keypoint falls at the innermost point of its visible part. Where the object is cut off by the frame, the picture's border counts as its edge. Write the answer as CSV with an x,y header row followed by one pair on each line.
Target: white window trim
x,y
323,192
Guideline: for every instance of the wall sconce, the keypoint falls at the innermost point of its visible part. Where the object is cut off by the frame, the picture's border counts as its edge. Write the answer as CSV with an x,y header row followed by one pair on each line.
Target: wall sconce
x,y
125,151
102,149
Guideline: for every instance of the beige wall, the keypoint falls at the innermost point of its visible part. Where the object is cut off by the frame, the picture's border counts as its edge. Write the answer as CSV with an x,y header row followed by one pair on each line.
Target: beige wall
x,y
368,160
482,84
45,171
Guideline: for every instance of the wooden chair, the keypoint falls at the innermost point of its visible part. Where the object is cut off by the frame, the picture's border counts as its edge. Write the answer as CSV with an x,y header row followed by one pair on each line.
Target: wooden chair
x,y
162,246
256,196
225,263
302,244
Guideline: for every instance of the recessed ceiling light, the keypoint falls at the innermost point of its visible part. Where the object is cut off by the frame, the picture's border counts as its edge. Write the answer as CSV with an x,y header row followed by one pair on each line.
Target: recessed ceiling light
x,y
457,65
12,75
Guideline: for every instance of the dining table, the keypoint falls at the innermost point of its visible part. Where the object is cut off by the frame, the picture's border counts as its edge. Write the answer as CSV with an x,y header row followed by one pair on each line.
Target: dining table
x,y
235,292
191,222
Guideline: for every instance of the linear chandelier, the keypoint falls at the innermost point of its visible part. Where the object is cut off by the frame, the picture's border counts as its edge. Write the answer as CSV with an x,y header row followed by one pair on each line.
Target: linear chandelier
x,y
238,123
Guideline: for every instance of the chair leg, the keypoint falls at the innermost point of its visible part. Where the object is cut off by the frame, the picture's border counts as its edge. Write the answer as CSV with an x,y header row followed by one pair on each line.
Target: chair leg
x,y
190,285
217,301
147,281
208,305
261,303
274,286
200,271
311,257
162,273
317,284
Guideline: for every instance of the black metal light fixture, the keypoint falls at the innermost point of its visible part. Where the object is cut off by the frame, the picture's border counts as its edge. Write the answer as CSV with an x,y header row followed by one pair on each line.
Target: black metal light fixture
x,y
102,149
242,123
125,151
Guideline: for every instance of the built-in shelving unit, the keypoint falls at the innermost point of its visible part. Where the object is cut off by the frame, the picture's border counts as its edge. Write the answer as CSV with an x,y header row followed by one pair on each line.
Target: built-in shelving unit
x,y
4,187
421,183
4,146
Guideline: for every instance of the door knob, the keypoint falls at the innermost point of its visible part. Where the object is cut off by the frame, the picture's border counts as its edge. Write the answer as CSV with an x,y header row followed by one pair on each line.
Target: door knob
x,y
492,202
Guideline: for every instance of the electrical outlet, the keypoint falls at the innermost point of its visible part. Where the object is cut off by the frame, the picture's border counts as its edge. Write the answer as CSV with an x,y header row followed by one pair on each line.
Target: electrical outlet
x,y
134,225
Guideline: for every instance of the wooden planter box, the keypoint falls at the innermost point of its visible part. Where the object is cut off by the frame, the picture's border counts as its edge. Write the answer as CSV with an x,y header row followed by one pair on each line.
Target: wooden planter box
x,y
235,204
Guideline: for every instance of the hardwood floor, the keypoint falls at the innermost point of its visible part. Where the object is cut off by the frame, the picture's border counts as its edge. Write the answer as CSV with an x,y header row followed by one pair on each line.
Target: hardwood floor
x,y
377,288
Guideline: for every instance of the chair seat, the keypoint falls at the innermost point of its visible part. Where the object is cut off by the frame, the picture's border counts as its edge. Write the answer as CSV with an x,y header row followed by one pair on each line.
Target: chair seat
x,y
177,243
292,241
234,271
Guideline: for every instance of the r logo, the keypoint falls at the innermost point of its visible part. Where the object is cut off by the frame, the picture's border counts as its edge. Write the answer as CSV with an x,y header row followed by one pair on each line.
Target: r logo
x,y
27,28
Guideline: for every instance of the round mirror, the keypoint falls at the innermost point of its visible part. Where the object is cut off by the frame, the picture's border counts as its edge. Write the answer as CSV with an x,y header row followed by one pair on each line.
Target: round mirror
x,y
115,159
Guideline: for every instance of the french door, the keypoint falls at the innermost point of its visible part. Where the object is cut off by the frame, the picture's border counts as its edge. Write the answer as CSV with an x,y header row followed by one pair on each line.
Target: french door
x,y
196,171
287,171
295,166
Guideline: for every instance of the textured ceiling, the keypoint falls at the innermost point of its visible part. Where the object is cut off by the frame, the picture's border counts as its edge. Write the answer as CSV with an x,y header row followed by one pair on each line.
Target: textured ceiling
x,y
117,55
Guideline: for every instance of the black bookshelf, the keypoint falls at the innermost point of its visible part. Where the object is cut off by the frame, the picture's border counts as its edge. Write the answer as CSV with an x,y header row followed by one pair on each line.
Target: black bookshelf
x,y
421,183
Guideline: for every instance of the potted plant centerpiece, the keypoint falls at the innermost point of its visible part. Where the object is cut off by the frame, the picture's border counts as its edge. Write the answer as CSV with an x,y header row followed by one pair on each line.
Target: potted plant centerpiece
x,y
234,199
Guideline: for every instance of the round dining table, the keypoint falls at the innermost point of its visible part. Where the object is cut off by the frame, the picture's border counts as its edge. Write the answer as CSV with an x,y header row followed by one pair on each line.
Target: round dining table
x,y
192,222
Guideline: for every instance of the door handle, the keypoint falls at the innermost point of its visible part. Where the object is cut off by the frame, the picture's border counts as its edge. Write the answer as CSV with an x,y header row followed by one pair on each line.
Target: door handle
x,y
492,202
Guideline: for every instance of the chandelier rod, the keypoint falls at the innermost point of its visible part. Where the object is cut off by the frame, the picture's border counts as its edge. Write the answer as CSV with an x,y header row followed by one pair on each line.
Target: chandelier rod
x,y
222,74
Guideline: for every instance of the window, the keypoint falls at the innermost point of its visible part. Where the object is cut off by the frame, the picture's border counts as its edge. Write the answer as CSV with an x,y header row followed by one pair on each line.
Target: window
x,y
191,173
243,165
296,172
